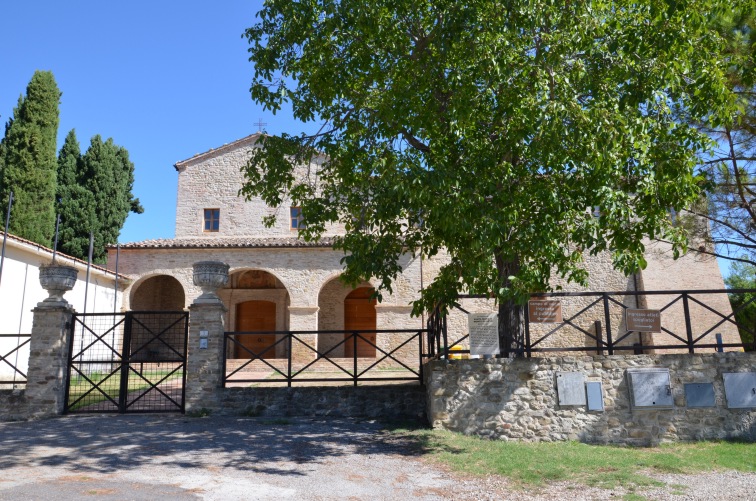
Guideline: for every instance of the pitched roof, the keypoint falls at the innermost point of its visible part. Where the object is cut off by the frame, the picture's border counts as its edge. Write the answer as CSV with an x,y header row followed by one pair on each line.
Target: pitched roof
x,y
252,138
60,257
227,242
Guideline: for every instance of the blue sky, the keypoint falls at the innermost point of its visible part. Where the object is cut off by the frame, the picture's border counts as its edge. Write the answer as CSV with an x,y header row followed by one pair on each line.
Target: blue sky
x,y
165,80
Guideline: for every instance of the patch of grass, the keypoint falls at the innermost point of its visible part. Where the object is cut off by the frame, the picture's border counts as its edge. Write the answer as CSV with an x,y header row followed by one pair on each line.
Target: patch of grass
x,y
607,467
111,384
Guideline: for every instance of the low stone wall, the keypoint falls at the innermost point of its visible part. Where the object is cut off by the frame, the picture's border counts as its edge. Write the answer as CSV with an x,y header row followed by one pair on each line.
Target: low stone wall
x,y
13,405
517,399
390,402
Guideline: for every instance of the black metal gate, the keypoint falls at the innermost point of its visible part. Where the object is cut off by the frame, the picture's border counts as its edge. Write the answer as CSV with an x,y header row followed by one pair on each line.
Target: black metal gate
x,y
127,362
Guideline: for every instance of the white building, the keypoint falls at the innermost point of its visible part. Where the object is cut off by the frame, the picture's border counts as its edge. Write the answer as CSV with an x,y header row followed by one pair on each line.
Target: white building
x,y
20,291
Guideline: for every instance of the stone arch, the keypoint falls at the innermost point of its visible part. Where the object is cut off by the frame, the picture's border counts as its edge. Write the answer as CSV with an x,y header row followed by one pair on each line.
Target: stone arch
x,y
157,293
257,300
331,300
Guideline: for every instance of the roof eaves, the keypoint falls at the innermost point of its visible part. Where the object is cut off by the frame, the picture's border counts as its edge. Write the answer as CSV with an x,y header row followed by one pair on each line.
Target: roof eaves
x,y
214,151
60,255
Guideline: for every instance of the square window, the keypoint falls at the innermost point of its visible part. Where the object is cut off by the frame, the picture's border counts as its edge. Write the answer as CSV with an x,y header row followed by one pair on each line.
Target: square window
x,y
297,221
212,219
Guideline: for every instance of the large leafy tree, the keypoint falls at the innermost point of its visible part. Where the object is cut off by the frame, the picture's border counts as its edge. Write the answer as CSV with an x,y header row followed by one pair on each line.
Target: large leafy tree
x,y
29,160
96,195
486,130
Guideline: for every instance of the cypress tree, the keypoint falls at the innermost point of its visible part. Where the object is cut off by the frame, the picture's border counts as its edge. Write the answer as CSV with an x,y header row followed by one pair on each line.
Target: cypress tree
x,y
29,160
76,203
107,175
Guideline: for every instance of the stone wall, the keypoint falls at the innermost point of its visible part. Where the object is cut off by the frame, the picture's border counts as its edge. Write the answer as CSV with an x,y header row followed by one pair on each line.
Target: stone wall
x,y
516,399
13,405
393,402
212,181
691,271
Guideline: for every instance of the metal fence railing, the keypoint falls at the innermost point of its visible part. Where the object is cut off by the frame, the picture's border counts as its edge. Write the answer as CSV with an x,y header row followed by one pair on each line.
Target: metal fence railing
x,y
14,357
332,357
690,321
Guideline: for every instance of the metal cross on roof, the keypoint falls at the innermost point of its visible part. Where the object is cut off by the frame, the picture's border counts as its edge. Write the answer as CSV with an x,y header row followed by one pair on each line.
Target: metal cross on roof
x,y
260,124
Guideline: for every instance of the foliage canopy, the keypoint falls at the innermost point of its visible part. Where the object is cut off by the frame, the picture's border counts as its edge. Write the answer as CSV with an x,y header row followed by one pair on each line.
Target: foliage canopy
x,y
743,276
95,195
730,206
487,130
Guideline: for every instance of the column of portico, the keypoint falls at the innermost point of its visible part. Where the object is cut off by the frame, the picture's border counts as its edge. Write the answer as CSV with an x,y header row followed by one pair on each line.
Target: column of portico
x,y
303,318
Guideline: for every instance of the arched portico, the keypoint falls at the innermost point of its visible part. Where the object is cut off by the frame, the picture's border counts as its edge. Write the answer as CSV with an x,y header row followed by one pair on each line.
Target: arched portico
x,y
346,308
157,293
257,301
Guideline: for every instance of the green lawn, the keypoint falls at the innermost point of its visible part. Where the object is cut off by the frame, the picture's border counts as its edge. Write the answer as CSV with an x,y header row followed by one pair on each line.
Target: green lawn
x,y
78,386
537,464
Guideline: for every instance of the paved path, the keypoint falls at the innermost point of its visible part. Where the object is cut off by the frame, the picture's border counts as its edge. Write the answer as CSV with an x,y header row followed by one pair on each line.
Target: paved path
x,y
159,456
147,457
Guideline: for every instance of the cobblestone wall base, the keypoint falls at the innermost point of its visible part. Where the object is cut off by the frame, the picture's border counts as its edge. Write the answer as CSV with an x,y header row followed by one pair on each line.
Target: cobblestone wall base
x,y
389,402
13,405
517,399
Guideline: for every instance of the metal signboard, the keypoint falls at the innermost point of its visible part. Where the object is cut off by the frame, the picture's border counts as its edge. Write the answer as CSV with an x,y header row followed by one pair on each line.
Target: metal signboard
x,y
595,395
650,388
544,311
643,320
570,388
484,333
699,395
740,389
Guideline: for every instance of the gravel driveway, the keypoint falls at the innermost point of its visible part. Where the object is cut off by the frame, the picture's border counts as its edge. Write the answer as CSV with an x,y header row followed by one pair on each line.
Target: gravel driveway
x,y
147,457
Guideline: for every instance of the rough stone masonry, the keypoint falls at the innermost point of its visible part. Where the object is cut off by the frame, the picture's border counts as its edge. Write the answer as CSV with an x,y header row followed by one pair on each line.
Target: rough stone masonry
x,y
516,399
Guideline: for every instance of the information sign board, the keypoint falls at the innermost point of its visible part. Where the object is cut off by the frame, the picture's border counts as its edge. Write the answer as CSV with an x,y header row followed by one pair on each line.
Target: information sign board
x,y
643,320
544,311
484,333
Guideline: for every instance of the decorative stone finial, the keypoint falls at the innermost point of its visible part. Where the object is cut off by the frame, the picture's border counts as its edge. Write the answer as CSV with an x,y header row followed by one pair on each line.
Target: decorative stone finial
x,y
210,276
57,279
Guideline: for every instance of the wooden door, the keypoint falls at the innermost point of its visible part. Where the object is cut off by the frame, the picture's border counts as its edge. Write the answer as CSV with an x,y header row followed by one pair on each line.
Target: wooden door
x,y
256,316
359,315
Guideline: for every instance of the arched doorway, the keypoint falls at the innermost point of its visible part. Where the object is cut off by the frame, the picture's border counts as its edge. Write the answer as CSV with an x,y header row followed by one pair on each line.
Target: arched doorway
x,y
256,316
257,302
155,334
359,315
158,293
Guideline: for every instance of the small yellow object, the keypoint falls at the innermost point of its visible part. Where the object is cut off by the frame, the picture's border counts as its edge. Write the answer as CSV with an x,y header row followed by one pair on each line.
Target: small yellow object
x,y
455,356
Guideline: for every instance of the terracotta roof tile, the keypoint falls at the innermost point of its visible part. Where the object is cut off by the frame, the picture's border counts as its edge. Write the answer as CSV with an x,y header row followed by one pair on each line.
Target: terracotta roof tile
x,y
226,242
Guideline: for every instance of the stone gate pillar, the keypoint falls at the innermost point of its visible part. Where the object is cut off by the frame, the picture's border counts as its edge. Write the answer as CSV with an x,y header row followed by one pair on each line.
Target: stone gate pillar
x,y
49,345
204,365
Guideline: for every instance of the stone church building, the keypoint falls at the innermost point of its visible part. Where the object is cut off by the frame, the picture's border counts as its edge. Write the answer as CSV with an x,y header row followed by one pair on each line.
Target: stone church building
x,y
281,283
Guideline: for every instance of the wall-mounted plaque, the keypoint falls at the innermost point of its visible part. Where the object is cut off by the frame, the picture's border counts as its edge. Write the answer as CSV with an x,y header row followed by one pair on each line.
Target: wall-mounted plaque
x,y
595,396
643,320
484,333
570,388
650,388
545,311
740,389
699,395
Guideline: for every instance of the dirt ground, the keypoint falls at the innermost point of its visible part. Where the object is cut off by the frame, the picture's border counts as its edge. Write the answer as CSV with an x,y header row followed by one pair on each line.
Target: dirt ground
x,y
147,457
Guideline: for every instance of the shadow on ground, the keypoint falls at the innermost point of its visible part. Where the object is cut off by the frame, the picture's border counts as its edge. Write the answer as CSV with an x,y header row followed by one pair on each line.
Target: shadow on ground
x,y
106,444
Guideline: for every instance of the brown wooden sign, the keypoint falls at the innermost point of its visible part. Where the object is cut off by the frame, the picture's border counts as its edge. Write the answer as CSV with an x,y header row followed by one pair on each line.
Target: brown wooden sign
x,y
643,320
545,311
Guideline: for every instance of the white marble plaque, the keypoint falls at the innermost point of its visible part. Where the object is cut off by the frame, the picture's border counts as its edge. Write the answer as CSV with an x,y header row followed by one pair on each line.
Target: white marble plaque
x,y
484,333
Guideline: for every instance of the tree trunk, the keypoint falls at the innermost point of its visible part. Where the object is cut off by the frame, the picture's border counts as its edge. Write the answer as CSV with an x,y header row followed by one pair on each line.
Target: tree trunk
x,y
511,314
